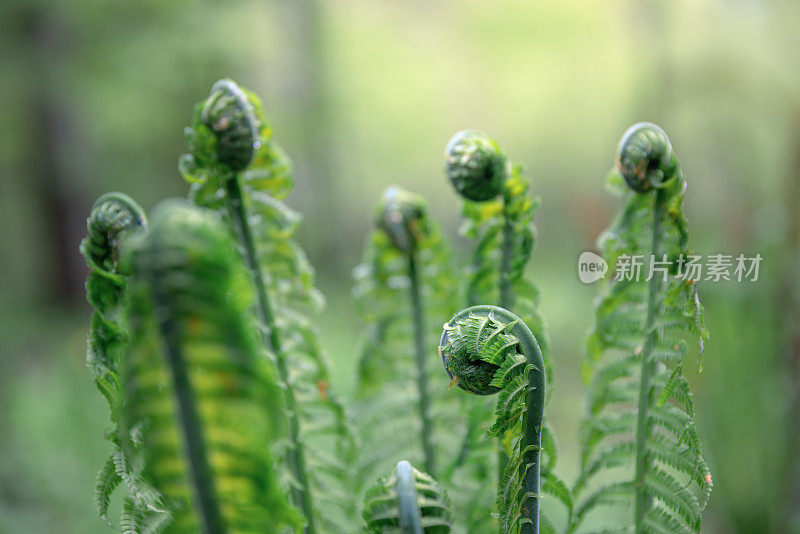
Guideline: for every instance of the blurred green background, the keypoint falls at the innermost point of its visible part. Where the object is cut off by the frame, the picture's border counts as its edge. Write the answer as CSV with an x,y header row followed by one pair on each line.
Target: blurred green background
x,y
363,94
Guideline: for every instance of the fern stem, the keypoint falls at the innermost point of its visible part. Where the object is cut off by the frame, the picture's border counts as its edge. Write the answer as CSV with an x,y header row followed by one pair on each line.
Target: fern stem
x,y
643,501
532,420
417,311
410,520
194,441
505,297
301,496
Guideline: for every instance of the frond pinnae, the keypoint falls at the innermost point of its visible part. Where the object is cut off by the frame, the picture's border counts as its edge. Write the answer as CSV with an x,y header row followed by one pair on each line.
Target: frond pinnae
x,y
489,350
407,501
640,409
113,218
237,169
194,359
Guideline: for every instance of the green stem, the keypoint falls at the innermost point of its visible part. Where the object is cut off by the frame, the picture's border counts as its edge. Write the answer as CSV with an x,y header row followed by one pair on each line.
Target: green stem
x,y
301,496
410,517
642,501
194,442
505,297
422,368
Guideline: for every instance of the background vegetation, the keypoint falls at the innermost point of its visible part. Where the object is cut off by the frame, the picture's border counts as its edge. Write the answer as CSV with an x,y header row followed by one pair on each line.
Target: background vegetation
x,y
363,94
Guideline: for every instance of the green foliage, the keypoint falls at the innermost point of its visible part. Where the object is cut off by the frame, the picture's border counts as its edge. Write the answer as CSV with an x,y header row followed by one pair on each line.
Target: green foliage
x,y
501,227
407,501
113,217
248,198
195,360
405,289
639,408
489,350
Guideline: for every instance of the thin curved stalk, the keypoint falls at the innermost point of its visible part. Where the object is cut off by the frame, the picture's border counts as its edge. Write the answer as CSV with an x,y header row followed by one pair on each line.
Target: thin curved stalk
x,y
301,496
410,519
642,501
463,353
417,310
505,299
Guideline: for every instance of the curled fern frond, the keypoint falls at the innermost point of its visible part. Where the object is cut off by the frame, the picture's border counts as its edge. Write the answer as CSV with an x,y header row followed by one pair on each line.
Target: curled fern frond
x,y
640,411
113,218
475,165
487,349
247,196
195,360
504,237
407,501
404,291
232,119
645,157
400,215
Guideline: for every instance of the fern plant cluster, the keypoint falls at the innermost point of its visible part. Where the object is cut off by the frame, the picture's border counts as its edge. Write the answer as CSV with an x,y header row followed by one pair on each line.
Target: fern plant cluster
x,y
223,418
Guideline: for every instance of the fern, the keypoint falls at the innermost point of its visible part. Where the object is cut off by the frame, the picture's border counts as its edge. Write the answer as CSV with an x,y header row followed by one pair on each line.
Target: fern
x,y
639,407
405,289
488,350
407,501
235,168
194,360
498,213
113,217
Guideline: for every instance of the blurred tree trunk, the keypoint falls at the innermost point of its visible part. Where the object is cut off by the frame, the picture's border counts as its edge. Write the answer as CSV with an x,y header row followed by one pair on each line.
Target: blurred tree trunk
x,y
317,172
47,173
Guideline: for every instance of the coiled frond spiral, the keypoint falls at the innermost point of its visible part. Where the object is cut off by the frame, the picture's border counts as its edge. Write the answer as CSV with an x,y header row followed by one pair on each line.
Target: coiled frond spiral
x,y
246,193
405,289
407,501
475,165
113,218
486,350
639,409
195,360
504,237
645,157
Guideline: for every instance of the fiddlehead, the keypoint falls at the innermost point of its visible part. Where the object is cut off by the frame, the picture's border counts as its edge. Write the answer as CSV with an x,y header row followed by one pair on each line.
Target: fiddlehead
x,y
475,165
194,360
244,181
404,291
407,501
488,350
635,353
113,217
498,217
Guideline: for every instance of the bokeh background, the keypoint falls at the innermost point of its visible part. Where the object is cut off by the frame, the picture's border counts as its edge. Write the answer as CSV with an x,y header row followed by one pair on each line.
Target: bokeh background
x,y
363,94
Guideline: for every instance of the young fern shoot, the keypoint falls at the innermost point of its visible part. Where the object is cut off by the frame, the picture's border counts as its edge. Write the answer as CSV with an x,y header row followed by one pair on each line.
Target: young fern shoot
x,y
236,168
408,502
405,290
498,213
639,408
113,217
199,398
488,350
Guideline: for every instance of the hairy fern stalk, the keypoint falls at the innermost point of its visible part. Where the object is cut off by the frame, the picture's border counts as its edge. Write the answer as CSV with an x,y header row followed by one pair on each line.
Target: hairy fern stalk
x,y
498,215
405,289
201,404
408,502
639,410
236,168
